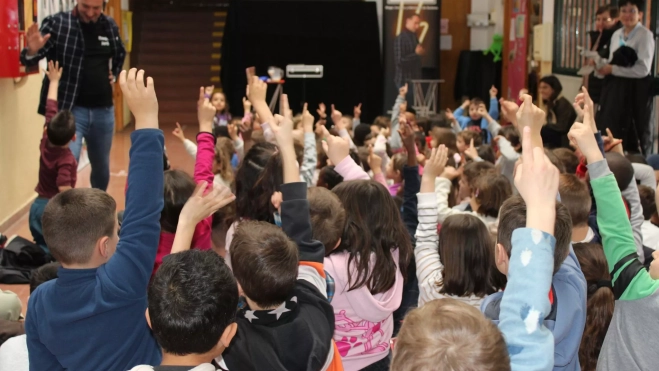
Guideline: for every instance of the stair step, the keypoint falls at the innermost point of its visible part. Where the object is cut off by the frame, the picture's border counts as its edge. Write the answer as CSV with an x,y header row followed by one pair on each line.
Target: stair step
x,y
178,37
188,16
188,118
183,70
176,48
181,59
178,105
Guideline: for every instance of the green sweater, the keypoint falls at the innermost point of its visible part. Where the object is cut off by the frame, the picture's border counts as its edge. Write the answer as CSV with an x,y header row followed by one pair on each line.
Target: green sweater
x,y
627,345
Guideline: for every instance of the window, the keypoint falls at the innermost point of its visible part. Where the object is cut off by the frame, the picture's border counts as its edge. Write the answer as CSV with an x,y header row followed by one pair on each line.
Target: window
x,y
573,20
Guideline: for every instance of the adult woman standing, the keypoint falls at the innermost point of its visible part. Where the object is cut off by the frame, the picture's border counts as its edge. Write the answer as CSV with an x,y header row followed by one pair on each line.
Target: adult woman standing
x,y
625,102
560,113
606,23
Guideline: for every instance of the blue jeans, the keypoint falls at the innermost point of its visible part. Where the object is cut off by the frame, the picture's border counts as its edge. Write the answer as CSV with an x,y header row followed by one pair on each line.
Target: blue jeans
x,y
96,125
36,212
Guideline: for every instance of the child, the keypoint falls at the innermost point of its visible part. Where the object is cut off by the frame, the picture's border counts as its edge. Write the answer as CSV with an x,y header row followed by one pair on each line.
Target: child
x,y
568,158
443,136
13,352
575,195
328,218
58,168
219,101
476,117
510,148
328,178
599,309
470,173
458,263
395,172
288,322
650,231
99,291
465,138
626,344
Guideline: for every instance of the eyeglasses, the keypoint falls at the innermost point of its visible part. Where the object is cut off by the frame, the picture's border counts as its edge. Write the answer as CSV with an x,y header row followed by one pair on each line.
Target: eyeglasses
x,y
628,11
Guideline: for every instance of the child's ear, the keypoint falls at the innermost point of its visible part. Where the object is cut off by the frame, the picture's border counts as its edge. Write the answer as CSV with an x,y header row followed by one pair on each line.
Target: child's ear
x,y
148,318
501,258
75,136
102,246
228,334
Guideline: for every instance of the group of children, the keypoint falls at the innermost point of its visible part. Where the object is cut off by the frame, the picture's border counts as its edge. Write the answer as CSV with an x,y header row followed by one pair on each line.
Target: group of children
x,y
410,244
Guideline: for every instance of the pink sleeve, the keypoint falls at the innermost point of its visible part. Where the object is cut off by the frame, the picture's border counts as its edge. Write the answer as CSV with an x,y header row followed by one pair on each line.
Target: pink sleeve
x,y
349,170
247,117
379,177
268,134
203,171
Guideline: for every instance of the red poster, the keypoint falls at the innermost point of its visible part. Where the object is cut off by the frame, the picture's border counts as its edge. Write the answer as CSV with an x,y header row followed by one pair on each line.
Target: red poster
x,y
518,42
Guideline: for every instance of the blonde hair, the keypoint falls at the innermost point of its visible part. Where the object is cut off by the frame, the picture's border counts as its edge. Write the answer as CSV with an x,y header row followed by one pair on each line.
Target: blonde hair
x,y
224,150
447,334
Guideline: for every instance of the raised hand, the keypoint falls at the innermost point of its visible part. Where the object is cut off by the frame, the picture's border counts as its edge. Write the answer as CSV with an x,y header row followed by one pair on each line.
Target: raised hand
x,y
449,114
307,119
284,107
337,149
257,90
209,90
141,99
336,117
178,132
407,136
612,144
283,129
200,206
509,110
374,161
583,99
54,71
581,135
533,117
247,105
205,113
471,152
436,163
402,91
357,111
482,110
35,40
321,110
493,92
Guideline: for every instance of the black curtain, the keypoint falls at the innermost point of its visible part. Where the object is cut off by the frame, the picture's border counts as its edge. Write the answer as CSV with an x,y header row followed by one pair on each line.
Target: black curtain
x,y
341,36
476,74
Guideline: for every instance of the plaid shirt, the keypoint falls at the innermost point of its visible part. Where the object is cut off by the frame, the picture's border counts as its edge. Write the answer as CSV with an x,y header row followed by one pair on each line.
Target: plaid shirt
x,y
408,63
66,45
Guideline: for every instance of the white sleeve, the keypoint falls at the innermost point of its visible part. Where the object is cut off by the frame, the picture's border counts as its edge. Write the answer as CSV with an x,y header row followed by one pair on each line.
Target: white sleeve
x,y
190,148
428,264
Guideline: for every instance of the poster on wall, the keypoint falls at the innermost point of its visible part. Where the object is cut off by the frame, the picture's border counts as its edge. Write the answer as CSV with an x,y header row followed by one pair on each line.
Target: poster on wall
x,y
411,45
518,43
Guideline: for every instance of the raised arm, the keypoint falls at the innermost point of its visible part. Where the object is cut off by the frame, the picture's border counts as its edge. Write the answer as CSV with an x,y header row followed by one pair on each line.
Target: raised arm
x,y
308,166
395,141
54,74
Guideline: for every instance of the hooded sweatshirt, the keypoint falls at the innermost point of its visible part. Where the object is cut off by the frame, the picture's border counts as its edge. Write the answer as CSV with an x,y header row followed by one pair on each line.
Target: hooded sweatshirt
x,y
364,322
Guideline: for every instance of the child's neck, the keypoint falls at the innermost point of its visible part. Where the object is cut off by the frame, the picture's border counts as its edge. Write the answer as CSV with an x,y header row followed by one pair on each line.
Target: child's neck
x,y
254,306
579,233
186,360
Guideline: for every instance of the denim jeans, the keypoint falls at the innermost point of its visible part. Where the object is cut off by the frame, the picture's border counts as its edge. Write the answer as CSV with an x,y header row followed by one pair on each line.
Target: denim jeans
x,y
36,212
96,125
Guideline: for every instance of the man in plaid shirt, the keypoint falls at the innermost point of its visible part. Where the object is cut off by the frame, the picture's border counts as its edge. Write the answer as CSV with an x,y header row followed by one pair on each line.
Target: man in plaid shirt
x,y
407,52
87,44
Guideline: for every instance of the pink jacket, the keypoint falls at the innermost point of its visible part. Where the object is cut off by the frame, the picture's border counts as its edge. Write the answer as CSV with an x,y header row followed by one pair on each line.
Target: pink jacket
x,y
203,170
364,322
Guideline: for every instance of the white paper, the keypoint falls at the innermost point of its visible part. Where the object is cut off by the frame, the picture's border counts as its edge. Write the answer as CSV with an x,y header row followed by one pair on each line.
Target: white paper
x,y
445,42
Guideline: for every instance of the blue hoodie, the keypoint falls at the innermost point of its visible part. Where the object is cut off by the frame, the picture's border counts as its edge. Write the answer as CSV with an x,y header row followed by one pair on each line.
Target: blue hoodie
x,y
567,317
93,319
465,120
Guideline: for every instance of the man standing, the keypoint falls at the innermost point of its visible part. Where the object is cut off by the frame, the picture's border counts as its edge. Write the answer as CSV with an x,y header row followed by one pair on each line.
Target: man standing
x,y
625,103
407,52
87,44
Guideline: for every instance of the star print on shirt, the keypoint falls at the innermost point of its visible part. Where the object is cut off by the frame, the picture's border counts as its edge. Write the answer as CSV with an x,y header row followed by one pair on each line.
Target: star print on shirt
x,y
249,314
280,309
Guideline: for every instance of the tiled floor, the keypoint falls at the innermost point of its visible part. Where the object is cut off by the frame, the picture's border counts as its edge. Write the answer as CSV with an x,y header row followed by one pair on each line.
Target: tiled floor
x,y
178,158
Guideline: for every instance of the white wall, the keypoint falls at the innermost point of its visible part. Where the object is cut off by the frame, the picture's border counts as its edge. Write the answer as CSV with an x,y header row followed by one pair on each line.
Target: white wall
x,y
571,84
481,37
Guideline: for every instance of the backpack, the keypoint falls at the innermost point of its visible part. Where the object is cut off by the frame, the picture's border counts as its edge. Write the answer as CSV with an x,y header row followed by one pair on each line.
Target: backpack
x,y
19,258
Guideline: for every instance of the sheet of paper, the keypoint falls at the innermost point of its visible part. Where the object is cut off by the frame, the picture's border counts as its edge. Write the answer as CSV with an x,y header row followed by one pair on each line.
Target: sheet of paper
x,y
445,42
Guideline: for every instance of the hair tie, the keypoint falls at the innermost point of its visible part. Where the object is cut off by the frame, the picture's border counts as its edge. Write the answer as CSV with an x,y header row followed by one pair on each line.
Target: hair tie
x,y
593,287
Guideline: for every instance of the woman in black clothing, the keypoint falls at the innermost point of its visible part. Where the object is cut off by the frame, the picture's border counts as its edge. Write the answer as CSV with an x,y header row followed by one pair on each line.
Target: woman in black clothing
x,y
606,23
560,113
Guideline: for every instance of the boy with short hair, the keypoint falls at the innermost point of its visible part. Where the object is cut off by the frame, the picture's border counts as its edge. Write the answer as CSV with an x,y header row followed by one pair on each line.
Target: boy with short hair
x,y
575,195
478,116
58,169
92,316
328,217
288,323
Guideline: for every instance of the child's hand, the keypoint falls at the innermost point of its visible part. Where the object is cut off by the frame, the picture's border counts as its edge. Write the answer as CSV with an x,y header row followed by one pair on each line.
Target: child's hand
x,y
533,117
200,206
482,110
257,91
321,130
233,131
583,137
509,110
307,119
357,111
337,149
247,105
493,92
54,71
584,99
374,161
178,132
276,199
435,164
450,172
283,129
403,91
536,179
284,107
141,99
321,111
471,152
449,115
205,112
209,90
612,144
465,104
336,117
407,136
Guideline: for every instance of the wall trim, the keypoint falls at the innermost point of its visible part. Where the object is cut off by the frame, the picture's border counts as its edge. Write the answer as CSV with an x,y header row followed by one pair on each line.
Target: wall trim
x,y
18,214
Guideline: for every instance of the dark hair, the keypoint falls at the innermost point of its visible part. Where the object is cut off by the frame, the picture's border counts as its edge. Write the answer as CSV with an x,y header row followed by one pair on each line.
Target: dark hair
x,y
258,177
420,141
608,8
62,128
568,158
466,249
513,216
621,168
328,178
372,232
192,299
43,274
226,101
221,132
444,136
468,135
600,302
575,195
328,218
647,201
486,153
476,101
555,160
438,121
491,189
179,186
473,170
636,158
511,134
265,262
382,121
413,15
73,221
360,133
556,86
640,4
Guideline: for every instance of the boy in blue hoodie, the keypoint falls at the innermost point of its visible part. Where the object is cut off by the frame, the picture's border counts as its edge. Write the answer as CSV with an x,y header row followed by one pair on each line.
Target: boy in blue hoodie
x,y
92,316
567,296
478,116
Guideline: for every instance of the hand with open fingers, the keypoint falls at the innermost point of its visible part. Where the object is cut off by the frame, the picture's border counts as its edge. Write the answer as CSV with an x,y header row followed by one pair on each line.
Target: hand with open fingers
x,y
247,105
209,90
583,137
357,111
530,115
337,149
321,110
203,204
403,91
407,136
54,71
374,161
307,119
436,163
35,40
493,92
178,132
141,98
257,90
336,117
471,152
509,110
